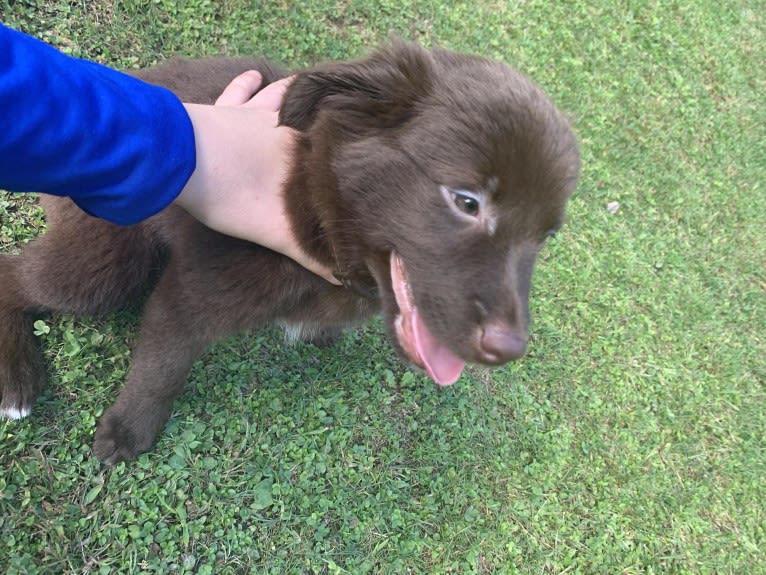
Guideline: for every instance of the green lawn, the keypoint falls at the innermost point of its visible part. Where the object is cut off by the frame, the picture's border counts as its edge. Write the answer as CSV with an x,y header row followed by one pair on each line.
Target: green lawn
x,y
631,439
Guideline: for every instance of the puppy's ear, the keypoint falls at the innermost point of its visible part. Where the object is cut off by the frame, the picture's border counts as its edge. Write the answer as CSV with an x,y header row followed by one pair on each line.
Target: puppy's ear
x,y
377,90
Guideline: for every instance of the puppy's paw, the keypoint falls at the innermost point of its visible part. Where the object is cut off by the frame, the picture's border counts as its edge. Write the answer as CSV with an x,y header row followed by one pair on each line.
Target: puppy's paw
x,y
14,410
121,436
20,384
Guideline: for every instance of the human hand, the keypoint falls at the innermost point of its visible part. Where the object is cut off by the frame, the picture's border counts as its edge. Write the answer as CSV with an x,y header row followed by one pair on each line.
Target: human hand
x,y
242,163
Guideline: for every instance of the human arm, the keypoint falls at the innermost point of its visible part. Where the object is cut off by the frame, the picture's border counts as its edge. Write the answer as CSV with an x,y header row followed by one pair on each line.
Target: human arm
x,y
120,148
123,149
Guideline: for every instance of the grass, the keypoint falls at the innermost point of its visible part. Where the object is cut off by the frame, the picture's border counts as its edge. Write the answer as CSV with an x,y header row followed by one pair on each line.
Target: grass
x,y
630,440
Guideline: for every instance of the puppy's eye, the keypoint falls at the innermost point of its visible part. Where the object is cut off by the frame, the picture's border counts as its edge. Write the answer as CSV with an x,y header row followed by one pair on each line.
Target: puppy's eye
x,y
466,203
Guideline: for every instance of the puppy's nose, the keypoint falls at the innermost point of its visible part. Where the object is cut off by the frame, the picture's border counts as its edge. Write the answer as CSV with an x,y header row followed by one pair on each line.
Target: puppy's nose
x,y
501,343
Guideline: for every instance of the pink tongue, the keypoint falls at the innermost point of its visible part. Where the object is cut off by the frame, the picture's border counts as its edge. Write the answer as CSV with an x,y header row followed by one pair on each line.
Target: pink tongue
x,y
440,363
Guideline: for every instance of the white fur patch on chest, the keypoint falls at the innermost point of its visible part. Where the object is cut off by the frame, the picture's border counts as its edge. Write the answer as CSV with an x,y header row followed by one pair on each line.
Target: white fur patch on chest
x,y
299,331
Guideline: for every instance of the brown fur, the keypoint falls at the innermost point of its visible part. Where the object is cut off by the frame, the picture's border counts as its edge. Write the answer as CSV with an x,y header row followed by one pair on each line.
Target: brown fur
x,y
378,138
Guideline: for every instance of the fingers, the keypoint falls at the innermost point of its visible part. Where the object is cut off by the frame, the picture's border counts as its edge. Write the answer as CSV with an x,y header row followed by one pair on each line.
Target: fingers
x,y
240,89
324,273
270,98
295,253
244,91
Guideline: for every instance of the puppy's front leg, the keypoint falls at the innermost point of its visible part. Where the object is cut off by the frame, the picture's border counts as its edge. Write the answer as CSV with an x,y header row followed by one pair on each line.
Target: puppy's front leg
x,y
166,349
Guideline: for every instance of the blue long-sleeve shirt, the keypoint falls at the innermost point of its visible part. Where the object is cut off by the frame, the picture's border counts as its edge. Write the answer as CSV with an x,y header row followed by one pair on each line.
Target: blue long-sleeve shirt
x,y
122,149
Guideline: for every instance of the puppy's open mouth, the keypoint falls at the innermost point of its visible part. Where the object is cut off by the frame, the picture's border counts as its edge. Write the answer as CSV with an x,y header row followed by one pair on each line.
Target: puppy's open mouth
x,y
414,337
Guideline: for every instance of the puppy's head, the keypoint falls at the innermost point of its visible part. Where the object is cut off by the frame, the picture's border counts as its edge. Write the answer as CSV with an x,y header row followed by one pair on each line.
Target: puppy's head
x,y
437,176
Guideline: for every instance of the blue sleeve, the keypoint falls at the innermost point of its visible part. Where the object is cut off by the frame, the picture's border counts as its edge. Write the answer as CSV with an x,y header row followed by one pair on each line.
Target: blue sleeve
x,y
122,149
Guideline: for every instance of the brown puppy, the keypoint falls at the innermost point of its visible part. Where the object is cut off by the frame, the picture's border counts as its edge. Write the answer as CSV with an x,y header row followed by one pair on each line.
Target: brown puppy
x,y
429,179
